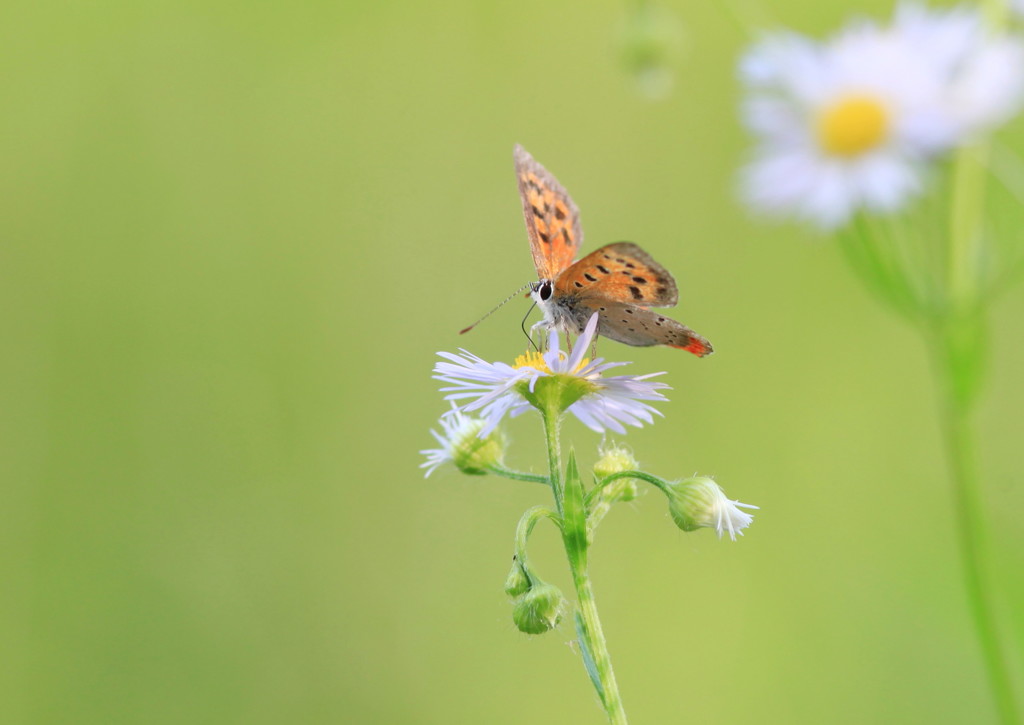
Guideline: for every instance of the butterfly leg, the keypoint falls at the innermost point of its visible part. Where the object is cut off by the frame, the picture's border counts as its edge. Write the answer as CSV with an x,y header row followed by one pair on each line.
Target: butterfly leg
x,y
539,328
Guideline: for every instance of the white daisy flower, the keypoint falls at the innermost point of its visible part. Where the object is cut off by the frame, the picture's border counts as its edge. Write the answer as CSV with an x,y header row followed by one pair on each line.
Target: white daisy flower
x,y
490,387
983,72
602,402
462,445
700,502
850,124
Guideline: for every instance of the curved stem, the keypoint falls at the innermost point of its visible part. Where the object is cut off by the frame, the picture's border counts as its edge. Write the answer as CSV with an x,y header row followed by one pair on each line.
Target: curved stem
x,y
972,535
526,524
500,470
643,476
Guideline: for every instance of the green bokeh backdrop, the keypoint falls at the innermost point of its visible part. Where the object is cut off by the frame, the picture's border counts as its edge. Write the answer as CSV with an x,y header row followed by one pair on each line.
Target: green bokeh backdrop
x,y
234,237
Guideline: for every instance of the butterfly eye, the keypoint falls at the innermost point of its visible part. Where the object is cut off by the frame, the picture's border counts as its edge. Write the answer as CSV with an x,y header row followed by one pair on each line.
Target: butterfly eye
x,y
544,291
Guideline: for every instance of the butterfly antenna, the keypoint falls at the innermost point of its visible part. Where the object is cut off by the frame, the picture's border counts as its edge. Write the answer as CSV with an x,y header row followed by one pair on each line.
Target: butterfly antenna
x,y
467,329
523,325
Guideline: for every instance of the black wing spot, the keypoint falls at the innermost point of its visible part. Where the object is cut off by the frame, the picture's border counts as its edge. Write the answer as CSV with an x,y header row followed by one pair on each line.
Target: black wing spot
x,y
537,212
637,294
603,309
661,319
630,265
603,269
640,280
632,329
662,290
544,237
589,276
578,283
629,312
661,280
533,185
606,256
625,272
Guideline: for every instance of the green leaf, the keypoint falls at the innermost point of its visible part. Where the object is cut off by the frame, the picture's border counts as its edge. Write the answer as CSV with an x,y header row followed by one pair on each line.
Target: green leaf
x,y
574,513
588,659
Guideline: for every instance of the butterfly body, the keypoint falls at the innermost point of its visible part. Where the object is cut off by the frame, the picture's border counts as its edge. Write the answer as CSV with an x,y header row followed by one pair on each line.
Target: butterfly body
x,y
619,281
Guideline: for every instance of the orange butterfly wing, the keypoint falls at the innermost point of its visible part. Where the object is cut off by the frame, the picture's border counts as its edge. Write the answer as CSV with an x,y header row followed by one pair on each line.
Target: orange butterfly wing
x,y
552,218
621,282
622,272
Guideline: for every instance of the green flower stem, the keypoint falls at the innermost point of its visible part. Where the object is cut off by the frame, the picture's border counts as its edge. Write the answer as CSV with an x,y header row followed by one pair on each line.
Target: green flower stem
x,y
595,634
552,418
959,350
653,480
525,528
967,210
499,470
575,541
972,539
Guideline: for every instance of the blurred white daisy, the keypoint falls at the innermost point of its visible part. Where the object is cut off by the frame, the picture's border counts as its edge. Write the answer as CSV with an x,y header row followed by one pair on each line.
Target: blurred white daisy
x,y
850,124
600,402
983,72
462,445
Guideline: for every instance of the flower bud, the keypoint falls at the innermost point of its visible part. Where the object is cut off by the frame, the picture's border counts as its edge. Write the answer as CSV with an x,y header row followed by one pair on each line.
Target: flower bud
x,y
517,582
539,609
474,455
616,459
700,502
461,445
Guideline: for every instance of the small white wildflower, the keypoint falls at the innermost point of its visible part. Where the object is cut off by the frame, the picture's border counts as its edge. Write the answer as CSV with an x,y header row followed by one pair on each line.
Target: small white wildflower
x,y
497,389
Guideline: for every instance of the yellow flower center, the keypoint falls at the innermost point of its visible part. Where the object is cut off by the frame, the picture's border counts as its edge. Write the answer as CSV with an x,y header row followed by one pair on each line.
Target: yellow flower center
x,y
853,125
533,359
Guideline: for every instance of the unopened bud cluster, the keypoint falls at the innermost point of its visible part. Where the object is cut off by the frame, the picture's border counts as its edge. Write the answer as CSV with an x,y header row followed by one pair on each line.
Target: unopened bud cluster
x,y
537,606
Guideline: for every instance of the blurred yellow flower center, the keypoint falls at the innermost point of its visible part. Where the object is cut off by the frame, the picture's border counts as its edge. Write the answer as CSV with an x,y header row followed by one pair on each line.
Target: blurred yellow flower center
x,y
853,125
533,359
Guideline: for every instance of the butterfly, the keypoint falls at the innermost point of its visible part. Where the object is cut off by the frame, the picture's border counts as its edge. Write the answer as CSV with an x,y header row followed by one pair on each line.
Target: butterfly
x,y
620,281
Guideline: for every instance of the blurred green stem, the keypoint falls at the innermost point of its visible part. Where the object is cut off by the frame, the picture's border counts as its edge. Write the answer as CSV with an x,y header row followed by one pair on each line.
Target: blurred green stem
x,y
967,209
970,521
959,353
959,349
569,504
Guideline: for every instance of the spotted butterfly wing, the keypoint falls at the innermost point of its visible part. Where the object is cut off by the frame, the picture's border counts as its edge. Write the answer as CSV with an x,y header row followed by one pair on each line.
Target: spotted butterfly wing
x,y
552,219
621,282
641,327
620,271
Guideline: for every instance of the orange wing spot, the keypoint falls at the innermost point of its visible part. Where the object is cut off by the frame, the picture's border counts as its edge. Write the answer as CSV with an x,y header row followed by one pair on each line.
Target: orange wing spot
x,y
698,348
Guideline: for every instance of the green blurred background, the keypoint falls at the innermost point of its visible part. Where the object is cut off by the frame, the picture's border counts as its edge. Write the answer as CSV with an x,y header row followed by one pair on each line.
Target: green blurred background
x,y
234,237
